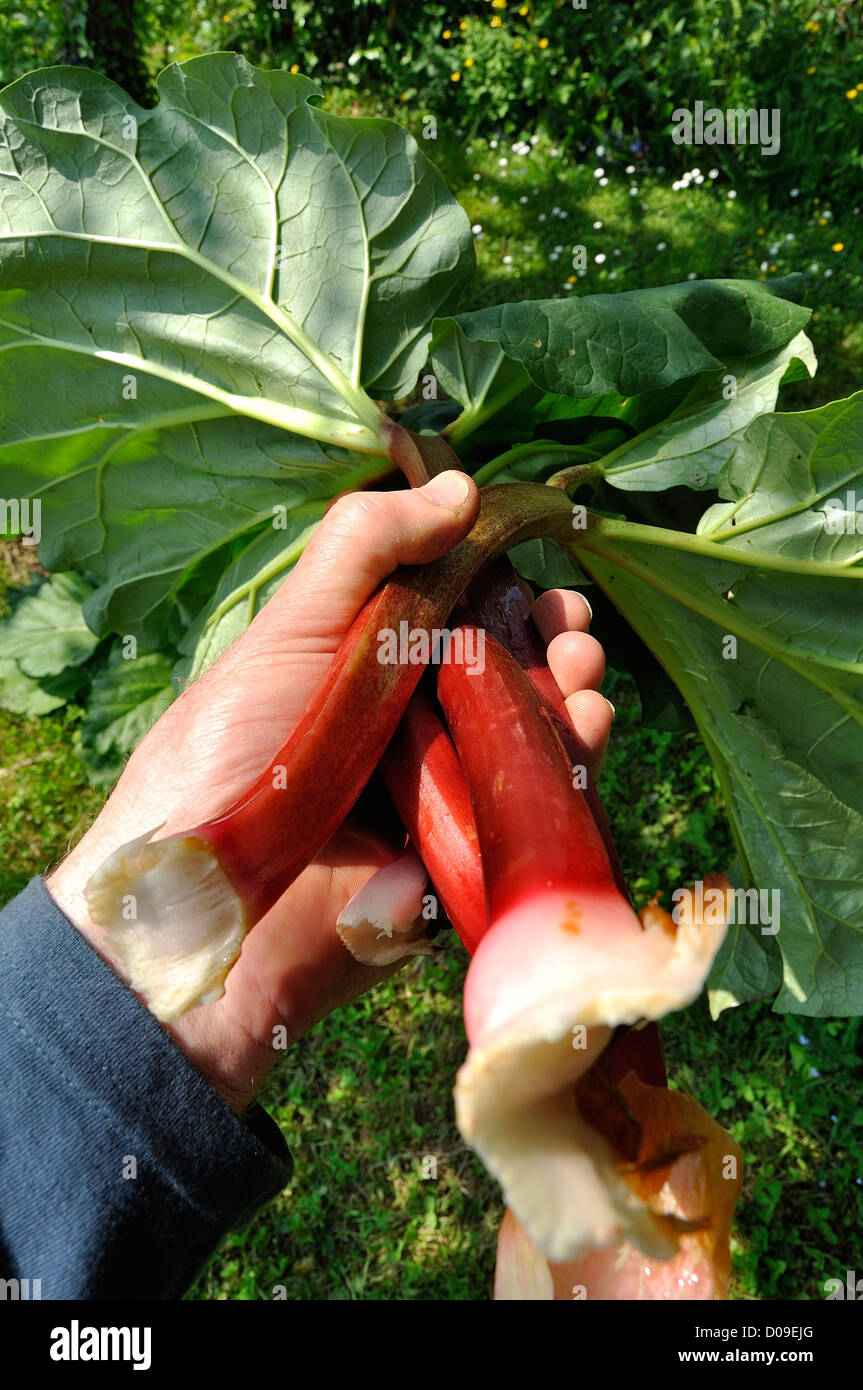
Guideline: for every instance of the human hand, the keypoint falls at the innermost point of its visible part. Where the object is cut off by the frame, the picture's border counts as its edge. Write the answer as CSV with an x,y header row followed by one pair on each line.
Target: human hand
x,y
212,742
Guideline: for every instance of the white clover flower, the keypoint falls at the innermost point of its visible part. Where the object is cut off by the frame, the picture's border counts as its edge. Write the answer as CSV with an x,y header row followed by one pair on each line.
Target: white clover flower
x,y
596,226
477,229
660,246
598,173
731,193
507,260
600,259
714,174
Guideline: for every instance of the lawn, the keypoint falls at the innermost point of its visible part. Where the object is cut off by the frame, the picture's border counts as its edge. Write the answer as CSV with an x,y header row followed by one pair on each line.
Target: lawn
x,y
386,1203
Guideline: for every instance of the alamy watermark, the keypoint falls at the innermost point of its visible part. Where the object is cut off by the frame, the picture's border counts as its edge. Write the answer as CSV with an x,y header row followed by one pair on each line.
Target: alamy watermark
x,y
753,125
437,646
21,516
757,906
844,518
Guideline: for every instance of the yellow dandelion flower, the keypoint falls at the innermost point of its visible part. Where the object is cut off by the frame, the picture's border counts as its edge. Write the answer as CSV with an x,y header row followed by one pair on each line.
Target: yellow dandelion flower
x,y
463,25
772,268
455,77
523,10
822,221
517,44
295,67
860,86
447,33
570,279
852,94
838,246
762,277
498,4
496,22
813,26
468,62
760,231
809,71
543,43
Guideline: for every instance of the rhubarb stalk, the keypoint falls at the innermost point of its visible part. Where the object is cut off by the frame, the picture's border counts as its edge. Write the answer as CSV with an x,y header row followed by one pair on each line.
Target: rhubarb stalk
x,y
564,961
177,909
426,783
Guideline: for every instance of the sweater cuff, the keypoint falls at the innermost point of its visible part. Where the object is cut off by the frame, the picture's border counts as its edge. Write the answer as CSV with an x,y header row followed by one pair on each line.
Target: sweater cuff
x,y
121,1168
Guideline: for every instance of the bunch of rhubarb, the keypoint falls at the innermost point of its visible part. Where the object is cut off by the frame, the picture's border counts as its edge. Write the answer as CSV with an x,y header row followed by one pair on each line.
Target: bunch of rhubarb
x,y
615,1186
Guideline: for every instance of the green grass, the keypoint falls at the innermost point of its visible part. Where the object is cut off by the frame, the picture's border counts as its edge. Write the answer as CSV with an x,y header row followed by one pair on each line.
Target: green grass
x,y
366,1100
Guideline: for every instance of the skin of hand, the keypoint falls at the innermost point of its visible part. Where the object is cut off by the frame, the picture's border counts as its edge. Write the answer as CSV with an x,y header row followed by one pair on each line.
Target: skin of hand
x,y
213,740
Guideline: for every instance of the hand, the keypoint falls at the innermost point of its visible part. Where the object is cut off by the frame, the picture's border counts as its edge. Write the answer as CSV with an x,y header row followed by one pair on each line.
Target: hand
x,y
213,741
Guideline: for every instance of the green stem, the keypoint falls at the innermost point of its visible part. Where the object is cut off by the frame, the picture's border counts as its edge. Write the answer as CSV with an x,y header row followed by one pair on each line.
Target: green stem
x,y
562,452
635,532
725,615
474,416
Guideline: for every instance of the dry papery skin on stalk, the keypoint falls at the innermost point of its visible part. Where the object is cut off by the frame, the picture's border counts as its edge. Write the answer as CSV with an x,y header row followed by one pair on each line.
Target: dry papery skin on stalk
x,y
564,962
177,909
680,1162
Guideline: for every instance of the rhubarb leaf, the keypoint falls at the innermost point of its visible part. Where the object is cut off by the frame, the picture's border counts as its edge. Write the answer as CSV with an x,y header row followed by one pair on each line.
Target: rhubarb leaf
x,y
188,289
22,694
757,619
693,444
242,591
126,700
619,344
47,632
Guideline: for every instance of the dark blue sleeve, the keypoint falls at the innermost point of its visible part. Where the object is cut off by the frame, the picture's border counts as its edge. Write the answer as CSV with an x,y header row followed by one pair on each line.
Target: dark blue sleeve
x,y
92,1089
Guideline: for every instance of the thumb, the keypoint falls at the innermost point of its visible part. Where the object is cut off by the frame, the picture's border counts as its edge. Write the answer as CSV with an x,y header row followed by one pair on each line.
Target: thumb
x,y
359,543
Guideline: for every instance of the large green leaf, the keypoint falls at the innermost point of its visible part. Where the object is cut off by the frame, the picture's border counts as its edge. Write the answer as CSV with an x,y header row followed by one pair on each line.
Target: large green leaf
x,y
185,291
126,700
780,706
618,344
47,632
694,443
243,589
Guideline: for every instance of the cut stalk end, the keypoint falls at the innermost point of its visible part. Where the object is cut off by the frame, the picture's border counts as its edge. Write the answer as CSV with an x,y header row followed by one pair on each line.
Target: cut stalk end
x,y
172,916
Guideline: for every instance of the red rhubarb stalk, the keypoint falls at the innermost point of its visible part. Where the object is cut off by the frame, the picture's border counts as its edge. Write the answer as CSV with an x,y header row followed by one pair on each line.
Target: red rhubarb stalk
x,y
498,602
427,785
177,909
565,960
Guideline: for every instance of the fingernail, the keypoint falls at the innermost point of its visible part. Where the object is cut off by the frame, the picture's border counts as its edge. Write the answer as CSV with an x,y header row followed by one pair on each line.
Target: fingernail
x,y
589,609
448,489
610,705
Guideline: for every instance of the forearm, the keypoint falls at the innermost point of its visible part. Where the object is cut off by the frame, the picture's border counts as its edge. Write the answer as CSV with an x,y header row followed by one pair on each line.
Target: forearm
x,y
120,1167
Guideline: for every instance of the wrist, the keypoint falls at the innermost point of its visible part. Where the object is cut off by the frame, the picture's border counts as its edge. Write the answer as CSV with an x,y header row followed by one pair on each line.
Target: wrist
x,y
219,1047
